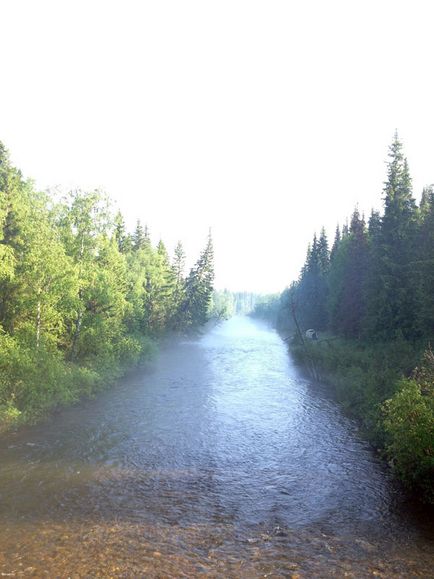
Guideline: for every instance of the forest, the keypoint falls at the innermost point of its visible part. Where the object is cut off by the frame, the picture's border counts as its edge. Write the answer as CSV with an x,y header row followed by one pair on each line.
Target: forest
x,y
370,298
82,299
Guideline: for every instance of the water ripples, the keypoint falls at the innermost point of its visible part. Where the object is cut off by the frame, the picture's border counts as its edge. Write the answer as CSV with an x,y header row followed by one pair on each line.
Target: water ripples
x,y
222,460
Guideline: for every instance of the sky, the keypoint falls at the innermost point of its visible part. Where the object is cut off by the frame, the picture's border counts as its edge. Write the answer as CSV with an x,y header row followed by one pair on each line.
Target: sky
x,y
262,120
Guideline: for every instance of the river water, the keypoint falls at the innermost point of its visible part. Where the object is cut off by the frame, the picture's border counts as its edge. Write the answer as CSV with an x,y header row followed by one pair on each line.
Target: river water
x,y
219,461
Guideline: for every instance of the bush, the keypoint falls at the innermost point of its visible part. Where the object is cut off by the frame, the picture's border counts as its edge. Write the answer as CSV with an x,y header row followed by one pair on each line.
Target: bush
x,y
33,380
409,425
396,412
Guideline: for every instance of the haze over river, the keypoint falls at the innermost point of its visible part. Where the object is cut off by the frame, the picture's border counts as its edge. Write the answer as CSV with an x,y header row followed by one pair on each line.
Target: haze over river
x,y
220,460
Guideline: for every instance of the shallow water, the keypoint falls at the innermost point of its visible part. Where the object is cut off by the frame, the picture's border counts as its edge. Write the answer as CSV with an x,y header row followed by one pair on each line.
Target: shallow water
x,y
221,461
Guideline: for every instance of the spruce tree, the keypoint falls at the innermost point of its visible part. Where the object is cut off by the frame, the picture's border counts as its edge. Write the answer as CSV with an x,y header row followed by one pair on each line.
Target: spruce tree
x,y
352,300
140,238
423,266
123,239
392,293
178,267
336,243
312,288
323,252
199,288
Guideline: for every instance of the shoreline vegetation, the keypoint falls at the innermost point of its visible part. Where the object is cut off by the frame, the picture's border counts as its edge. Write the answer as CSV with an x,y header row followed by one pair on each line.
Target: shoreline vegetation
x,y
370,299
81,299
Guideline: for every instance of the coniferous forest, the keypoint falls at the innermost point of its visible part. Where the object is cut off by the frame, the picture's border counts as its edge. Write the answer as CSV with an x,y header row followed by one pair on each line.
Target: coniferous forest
x,y
81,299
369,295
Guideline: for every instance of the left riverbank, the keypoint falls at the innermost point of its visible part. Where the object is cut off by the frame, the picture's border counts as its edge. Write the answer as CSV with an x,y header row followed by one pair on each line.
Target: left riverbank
x,y
42,381
81,298
39,382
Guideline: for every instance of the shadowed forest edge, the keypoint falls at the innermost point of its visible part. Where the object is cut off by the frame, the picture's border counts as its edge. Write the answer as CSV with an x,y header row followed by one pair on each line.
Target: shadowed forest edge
x,y
370,299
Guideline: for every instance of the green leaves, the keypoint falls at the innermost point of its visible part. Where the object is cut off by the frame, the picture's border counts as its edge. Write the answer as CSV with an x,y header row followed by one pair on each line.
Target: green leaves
x,y
195,308
80,297
409,424
378,291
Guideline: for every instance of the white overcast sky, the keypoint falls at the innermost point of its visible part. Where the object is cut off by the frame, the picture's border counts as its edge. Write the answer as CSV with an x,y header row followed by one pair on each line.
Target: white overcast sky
x,y
263,120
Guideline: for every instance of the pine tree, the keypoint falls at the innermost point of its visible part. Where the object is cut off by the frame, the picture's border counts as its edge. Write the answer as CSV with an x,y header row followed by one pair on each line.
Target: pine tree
x,y
123,239
336,243
392,293
199,288
178,267
312,287
348,280
374,227
160,287
179,263
323,252
423,266
141,238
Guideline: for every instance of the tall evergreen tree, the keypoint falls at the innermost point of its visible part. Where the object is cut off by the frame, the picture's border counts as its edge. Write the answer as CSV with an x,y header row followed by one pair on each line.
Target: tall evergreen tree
x,y
199,288
323,252
336,243
141,238
392,297
123,239
348,278
423,266
160,287
312,288
178,267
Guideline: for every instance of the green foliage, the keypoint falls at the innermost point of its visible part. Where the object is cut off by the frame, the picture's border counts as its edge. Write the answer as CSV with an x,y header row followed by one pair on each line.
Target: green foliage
x,y
378,282
227,303
353,366
222,305
311,292
81,299
196,306
409,424
266,307
375,298
33,381
395,413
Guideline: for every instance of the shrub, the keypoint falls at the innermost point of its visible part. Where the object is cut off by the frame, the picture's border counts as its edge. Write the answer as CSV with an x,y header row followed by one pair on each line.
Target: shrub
x,y
409,425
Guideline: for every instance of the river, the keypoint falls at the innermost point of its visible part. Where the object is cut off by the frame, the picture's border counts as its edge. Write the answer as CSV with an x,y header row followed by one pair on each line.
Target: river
x,y
221,460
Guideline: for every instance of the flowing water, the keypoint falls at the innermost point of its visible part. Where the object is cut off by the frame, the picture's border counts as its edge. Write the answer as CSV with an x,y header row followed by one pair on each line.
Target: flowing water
x,y
220,461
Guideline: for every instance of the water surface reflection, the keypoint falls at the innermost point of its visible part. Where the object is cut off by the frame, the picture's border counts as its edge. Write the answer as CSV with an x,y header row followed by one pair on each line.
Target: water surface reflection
x,y
222,460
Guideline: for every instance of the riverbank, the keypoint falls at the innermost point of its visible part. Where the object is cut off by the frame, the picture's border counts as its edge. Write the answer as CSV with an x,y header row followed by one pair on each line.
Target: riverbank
x,y
389,389
34,383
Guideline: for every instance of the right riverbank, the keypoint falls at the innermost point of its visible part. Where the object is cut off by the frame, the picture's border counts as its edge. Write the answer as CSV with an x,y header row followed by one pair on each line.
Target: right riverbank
x,y
389,389
368,296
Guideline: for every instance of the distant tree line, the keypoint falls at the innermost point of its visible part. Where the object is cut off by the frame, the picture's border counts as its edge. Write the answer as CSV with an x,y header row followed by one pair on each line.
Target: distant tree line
x,y
80,297
226,303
